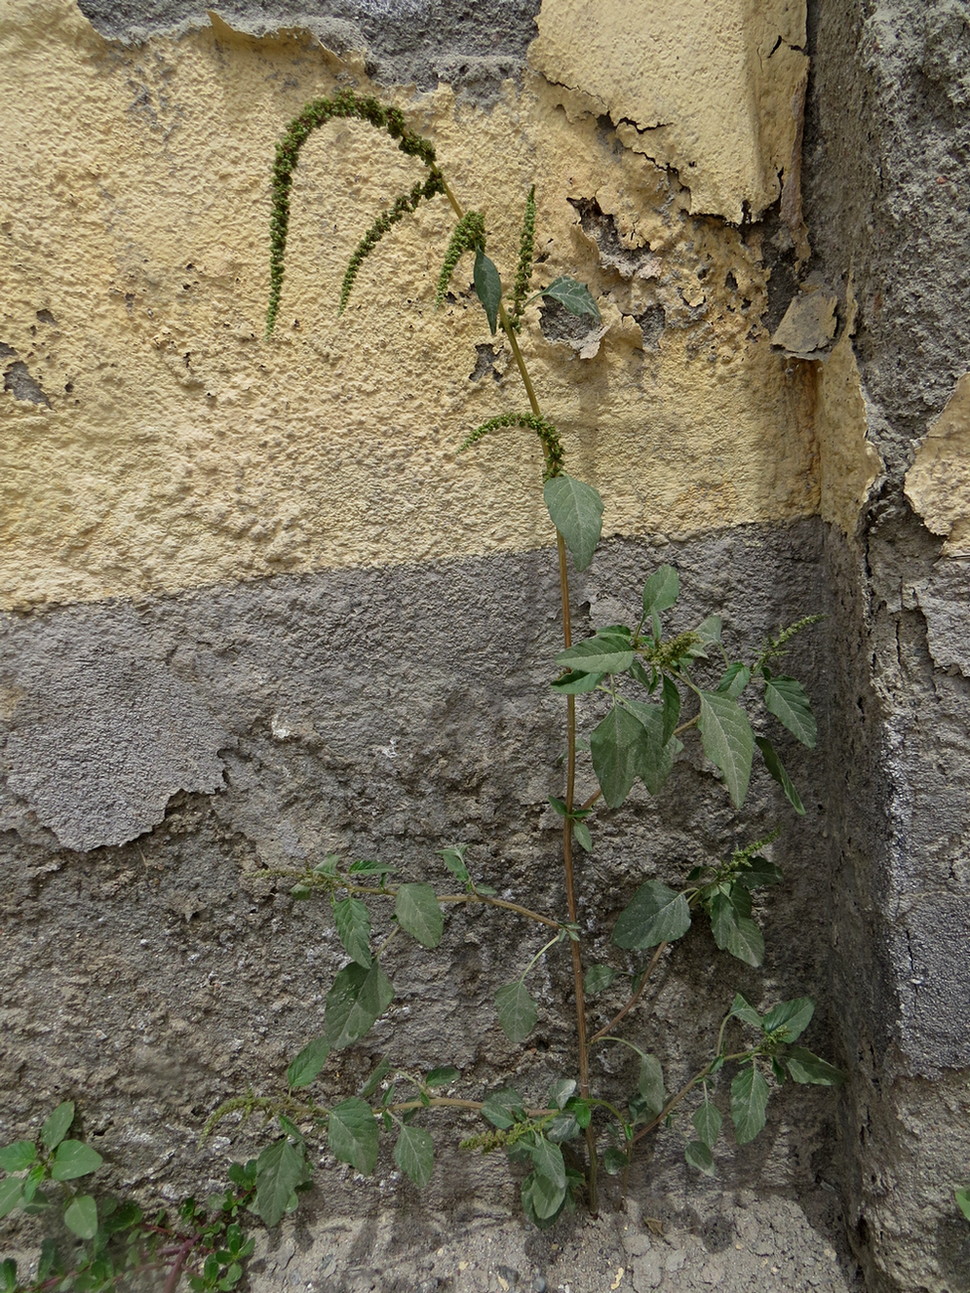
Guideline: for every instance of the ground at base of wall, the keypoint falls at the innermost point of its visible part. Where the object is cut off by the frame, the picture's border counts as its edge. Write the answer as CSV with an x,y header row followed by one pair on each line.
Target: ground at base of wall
x,y
753,1245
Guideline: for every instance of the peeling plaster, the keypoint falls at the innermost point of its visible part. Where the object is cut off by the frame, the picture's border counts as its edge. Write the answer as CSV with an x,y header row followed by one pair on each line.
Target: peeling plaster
x,y
713,91
938,483
182,449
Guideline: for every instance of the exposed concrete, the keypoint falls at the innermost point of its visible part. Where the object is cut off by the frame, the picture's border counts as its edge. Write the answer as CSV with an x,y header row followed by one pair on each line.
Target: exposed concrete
x,y
888,135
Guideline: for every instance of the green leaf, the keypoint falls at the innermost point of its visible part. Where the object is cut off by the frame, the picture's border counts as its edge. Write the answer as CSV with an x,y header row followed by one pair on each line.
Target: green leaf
x,y
503,1109
616,747
375,1079
549,1178
777,770
661,590
802,1066
72,1159
352,1134
353,927
597,979
573,295
656,914
582,836
654,755
602,653
488,288
699,1156
560,1091
962,1197
454,860
787,700
759,874
414,1154
671,708
516,1011
575,683
707,1122
794,1016
370,867
708,632
742,1009
614,1161
356,1000
443,1076
734,680
81,1216
280,1168
11,1195
728,741
418,913
734,932
749,1099
8,1275
57,1125
304,1069
18,1156
650,1084
576,510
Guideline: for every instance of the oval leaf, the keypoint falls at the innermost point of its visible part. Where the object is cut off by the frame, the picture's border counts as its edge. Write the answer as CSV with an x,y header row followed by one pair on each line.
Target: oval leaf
x,y
18,1156
356,1000
81,1217
304,1069
576,510
418,913
615,746
794,1016
661,590
72,1159
650,1084
280,1168
802,1066
516,1011
749,1099
414,1154
353,927
707,1122
575,296
11,1195
488,288
655,915
728,741
352,1134
699,1156
57,1125
788,701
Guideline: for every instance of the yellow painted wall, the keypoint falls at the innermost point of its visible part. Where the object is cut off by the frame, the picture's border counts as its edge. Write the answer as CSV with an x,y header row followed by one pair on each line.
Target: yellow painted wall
x,y
180,448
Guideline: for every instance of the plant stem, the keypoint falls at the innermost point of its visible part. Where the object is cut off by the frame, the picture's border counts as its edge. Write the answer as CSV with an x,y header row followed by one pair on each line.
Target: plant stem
x,y
675,1100
634,997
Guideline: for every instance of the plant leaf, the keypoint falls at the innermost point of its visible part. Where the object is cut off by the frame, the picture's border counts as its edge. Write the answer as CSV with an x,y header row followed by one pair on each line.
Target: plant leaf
x,y
418,913
742,1009
699,1156
734,680
734,932
488,288
353,928
414,1154
661,590
777,770
72,1159
655,914
18,1156
573,295
597,979
962,1197
549,1178
788,701
280,1168
575,683
650,1083
11,1195
576,510
707,1122
582,836
352,1134
728,741
81,1216
503,1108
749,1099
615,746
454,860
654,755
357,998
561,1090
304,1069
794,1016
516,1011
802,1066
603,653
57,1125
671,708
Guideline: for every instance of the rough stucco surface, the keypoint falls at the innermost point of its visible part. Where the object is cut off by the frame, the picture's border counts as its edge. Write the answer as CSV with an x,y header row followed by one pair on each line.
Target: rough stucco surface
x,y
938,483
176,447
890,107
722,108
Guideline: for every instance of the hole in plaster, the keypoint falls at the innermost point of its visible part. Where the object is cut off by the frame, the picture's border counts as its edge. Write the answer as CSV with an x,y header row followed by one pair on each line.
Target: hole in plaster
x,y
485,363
45,316
18,381
730,282
652,322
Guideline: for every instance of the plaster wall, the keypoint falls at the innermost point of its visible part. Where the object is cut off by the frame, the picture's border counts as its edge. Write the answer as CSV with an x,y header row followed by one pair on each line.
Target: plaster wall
x,y
257,607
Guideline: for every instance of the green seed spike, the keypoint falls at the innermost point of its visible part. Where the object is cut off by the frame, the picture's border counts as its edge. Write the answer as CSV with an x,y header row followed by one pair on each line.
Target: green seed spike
x,y
468,235
399,208
314,115
523,272
552,449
